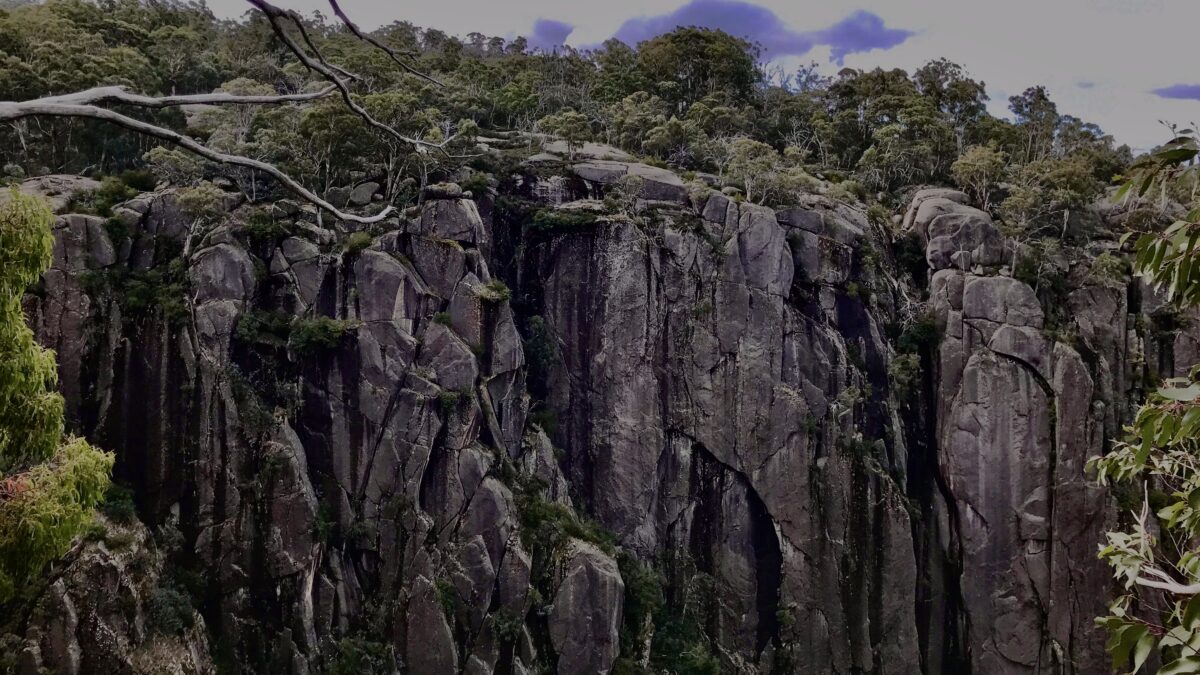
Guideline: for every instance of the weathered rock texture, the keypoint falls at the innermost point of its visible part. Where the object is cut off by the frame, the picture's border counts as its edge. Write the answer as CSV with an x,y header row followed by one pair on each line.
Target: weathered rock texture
x,y
717,383
98,613
1018,414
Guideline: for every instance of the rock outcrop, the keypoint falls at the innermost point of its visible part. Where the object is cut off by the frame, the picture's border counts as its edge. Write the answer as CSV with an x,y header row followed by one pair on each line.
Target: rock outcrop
x,y
1017,418
108,609
437,446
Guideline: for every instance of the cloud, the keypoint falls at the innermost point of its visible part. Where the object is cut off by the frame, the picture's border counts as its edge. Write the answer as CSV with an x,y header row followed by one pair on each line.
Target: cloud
x,y
859,32
1085,84
741,19
548,34
862,31
1185,92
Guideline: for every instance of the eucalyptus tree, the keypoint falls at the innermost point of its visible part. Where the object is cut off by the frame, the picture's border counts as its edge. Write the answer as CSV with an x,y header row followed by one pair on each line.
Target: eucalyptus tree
x,y
1156,558
291,30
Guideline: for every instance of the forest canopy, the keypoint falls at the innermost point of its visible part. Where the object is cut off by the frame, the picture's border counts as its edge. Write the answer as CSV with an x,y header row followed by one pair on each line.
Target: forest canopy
x,y
691,99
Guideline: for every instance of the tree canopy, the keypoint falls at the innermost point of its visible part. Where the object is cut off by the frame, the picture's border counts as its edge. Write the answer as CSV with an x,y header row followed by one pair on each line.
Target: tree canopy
x,y
48,484
680,98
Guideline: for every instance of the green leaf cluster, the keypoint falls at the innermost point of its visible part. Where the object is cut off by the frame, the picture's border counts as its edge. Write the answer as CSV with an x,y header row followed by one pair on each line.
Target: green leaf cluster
x,y
48,485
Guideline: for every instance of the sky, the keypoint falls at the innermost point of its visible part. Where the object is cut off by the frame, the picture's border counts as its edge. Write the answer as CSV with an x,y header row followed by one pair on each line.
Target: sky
x,y
1122,64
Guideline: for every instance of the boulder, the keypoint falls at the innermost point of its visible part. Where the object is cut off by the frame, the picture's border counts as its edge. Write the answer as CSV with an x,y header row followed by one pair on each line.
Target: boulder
x,y
585,619
452,218
361,195
429,647
338,196
443,191
656,184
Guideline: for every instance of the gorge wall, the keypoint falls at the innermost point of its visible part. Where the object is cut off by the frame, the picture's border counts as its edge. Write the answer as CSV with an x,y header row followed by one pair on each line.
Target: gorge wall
x,y
529,409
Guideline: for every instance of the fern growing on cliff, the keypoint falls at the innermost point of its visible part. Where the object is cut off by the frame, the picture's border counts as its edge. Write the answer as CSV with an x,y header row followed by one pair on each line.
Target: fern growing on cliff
x,y
48,484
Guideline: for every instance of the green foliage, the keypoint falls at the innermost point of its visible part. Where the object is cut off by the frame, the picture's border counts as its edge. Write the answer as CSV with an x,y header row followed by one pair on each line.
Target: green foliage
x,y
170,611
879,215
762,171
688,64
44,507
31,410
507,627
204,202
262,229
541,354
320,334
48,485
363,656
447,596
357,242
112,191
571,126
679,97
175,166
269,329
138,179
643,599
552,220
1155,557
477,184
904,373
117,230
448,401
977,172
160,291
921,334
1044,193
325,525
1109,269
681,644
118,504
496,291
910,256
547,527
850,191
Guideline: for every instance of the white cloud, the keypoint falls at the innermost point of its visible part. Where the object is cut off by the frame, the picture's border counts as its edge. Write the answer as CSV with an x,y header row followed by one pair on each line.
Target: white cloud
x,y
1125,48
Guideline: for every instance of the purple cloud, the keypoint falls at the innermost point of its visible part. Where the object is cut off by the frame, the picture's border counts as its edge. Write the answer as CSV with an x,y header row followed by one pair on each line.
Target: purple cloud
x,y
1179,91
548,34
741,19
859,32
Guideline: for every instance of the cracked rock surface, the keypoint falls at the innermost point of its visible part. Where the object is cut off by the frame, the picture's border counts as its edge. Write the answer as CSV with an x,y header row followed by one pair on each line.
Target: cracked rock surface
x,y
452,442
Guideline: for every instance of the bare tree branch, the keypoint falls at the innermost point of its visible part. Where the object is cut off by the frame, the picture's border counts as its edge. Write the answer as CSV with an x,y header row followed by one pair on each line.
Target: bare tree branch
x,y
1170,586
39,108
87,104
337,10
275,16
98,95
299,22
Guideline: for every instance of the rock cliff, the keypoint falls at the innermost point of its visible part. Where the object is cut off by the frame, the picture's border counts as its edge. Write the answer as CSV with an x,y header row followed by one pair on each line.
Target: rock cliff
x,y
593,419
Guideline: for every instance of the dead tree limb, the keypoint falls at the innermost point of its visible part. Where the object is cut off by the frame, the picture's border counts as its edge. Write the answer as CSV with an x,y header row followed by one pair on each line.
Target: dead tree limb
x,y
88,104
337,10
40,108
276,17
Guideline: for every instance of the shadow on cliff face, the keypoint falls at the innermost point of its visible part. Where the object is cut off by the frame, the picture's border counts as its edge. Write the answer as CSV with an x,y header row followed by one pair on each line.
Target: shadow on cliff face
x,y
421,446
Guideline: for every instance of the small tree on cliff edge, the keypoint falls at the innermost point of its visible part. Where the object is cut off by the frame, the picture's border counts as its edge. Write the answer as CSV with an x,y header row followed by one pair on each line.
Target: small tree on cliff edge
x,y
977,172
48,484
573,127
1157,558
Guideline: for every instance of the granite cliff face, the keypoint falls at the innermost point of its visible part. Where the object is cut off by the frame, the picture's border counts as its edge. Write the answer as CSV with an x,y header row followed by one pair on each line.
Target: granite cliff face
x,y
493,408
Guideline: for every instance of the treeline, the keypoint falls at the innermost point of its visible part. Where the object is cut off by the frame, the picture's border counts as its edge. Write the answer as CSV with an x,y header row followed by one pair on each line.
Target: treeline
x,y
694,99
